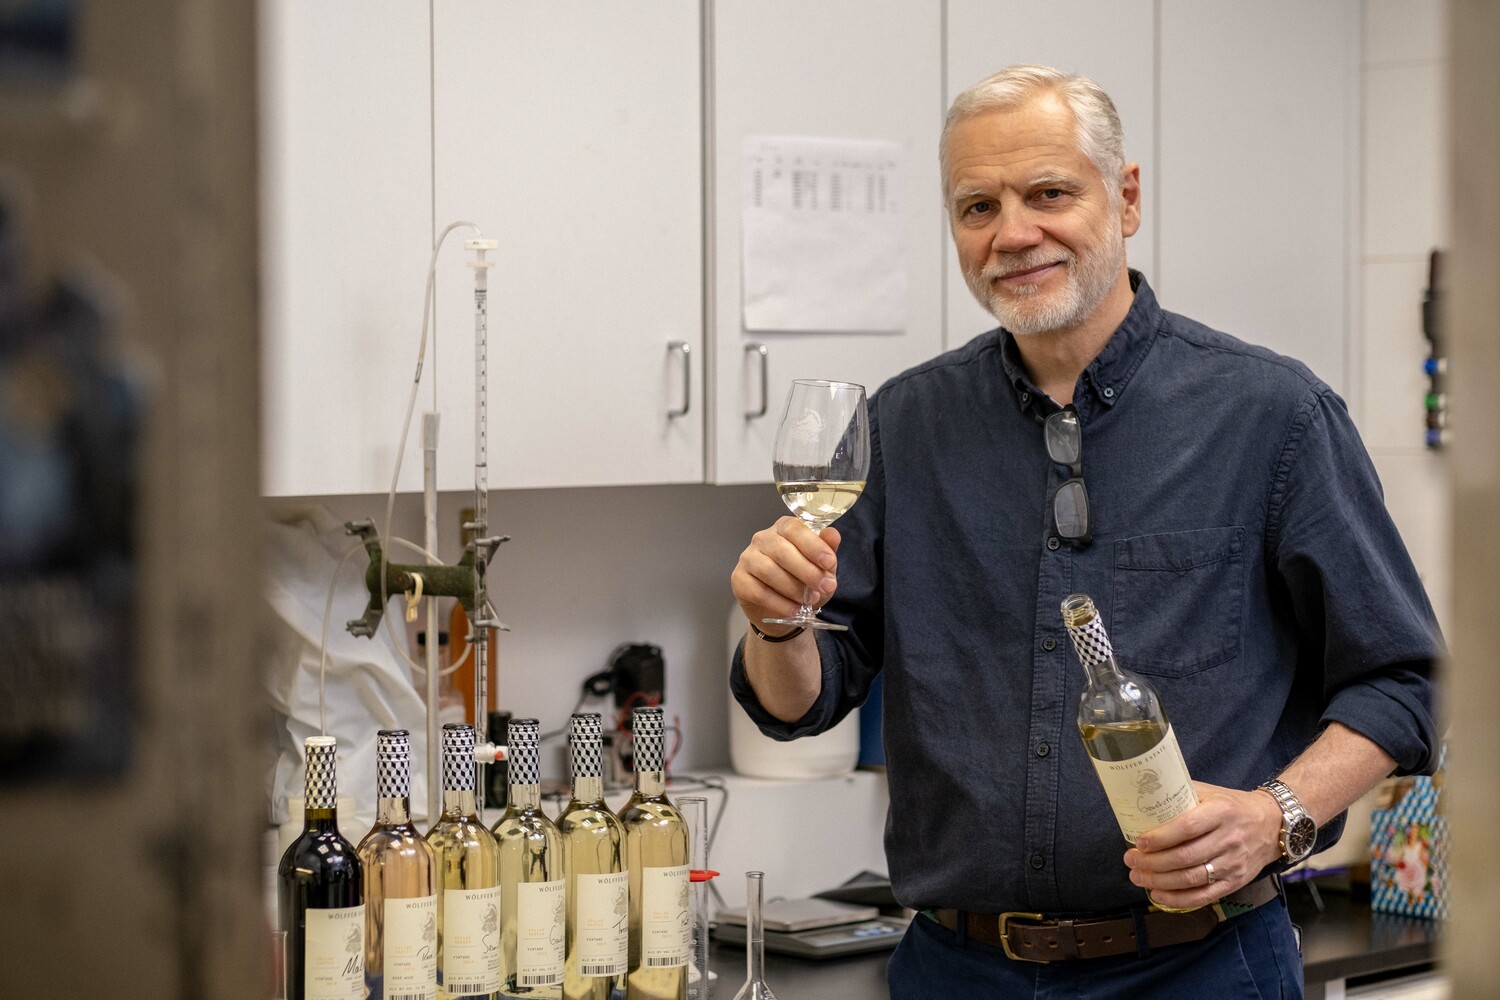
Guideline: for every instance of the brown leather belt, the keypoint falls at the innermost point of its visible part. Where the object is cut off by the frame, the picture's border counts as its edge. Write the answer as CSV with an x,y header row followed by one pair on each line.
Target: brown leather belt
x,y
1032,937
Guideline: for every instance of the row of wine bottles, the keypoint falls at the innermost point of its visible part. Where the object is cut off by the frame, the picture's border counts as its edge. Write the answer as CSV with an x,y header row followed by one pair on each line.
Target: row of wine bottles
x,y
571,910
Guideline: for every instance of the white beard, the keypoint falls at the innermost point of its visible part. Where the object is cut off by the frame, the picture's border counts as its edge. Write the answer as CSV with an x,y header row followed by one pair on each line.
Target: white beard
x,y
1025,310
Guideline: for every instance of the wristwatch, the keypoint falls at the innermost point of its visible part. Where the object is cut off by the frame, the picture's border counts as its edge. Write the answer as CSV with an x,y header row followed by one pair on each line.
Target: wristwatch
x,y
1298,830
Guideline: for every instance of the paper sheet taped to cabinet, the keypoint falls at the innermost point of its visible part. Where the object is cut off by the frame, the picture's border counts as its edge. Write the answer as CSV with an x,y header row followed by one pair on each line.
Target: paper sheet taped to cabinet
x,y
823,225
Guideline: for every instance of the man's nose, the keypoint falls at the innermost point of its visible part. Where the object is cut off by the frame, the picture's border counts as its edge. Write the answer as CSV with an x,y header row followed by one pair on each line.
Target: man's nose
x,y
1016,230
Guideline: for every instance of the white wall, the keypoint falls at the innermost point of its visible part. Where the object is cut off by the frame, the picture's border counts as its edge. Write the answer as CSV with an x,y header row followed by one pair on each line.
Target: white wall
x,y
1404,216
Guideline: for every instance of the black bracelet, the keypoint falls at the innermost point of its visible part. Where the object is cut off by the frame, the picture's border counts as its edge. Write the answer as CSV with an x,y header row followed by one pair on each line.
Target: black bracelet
x,y
777,638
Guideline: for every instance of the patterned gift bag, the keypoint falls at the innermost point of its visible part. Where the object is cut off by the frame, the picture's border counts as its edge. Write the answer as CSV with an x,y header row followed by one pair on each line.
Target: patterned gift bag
x,y
1409,851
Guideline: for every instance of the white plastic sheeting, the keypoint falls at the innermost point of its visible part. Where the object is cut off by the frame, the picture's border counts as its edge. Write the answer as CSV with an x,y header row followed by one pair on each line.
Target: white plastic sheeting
x,y
369,686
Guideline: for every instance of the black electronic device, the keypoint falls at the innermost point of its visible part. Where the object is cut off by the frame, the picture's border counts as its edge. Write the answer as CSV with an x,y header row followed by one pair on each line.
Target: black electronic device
x,y
638,675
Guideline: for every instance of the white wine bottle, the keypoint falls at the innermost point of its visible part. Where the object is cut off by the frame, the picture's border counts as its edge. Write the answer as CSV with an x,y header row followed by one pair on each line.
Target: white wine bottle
x,y
656,848
598,885
468,863
321,890
534,893
1126,731
400,884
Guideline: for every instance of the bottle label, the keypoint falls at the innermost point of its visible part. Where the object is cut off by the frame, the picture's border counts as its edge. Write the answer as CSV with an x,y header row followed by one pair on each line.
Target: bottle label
x,y
541,932
334,957
471,941
666,934
602,934
409,946
1148,790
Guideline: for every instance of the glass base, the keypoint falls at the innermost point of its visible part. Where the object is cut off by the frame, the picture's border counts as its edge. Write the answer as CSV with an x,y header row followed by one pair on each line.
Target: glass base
x,y
807,622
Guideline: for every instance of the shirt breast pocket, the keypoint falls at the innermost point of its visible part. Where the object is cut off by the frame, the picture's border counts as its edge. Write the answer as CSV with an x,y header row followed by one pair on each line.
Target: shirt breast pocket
x,y
1178,600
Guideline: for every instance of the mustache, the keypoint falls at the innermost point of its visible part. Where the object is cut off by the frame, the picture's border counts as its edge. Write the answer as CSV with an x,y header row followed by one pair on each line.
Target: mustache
x,y
1016,263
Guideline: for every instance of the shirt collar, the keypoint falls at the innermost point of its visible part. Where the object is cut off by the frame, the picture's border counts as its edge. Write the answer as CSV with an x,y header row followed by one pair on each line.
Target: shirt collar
x,y
1108,374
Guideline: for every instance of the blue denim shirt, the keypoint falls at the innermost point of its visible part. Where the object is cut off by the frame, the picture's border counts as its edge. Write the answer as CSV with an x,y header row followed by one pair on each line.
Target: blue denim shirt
x,y
1242,559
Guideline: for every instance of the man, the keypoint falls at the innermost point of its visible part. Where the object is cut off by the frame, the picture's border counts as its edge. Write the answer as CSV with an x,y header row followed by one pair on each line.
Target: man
x,y
1236,543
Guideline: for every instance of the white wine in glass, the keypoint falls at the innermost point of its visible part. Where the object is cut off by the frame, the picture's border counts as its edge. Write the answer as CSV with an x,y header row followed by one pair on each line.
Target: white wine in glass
x,y
820,462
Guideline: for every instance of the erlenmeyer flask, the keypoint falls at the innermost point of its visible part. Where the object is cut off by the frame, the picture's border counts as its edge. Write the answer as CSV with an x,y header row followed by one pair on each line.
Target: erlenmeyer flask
x,y
755,987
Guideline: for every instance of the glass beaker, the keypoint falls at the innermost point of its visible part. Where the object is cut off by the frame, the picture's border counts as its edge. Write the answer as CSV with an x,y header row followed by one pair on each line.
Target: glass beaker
x,y
694,809
755,987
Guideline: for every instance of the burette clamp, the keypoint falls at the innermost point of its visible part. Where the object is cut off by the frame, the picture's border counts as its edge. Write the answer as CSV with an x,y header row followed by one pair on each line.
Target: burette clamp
x,y
417,580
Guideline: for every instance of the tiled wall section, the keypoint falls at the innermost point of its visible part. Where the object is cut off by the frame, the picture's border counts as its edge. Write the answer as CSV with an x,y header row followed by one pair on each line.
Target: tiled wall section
x,y
1404,216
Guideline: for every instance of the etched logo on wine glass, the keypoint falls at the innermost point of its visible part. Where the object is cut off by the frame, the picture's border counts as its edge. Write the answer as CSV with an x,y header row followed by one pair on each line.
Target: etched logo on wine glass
x,y
808,428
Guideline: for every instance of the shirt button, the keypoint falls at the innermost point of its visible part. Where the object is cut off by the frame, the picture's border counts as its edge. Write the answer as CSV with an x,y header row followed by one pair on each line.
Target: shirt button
x,y
1053,543
1109,393
1038,862
1049,644
1043,749
1025,398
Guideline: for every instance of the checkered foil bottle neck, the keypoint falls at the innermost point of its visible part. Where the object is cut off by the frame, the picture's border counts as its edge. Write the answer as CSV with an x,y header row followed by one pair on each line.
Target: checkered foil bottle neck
x,y
523,751
393,764
586,745
1086,629
321,787
648,731
458,757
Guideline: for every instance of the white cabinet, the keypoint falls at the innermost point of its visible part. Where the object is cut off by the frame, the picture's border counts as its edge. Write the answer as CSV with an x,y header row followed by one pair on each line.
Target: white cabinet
x,y
346,176
852,69
574,135
1109,42
1259,167
571,133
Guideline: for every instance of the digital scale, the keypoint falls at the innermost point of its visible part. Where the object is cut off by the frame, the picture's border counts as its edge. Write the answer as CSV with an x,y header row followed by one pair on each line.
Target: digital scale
x,y
817,928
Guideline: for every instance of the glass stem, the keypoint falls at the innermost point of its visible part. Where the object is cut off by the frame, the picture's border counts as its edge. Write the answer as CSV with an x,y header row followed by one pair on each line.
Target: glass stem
x,y
809,595
755,934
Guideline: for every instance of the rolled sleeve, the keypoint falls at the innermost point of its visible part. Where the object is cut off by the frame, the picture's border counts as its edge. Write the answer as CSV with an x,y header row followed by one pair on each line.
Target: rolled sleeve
x,y
826,712
1361,611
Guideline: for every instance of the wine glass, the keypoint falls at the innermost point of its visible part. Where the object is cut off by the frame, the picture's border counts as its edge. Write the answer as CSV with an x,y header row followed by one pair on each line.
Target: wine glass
x,y
820,462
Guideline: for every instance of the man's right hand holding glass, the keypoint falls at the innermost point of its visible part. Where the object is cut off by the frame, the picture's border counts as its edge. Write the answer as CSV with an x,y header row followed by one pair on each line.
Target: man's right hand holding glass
x,y
773,576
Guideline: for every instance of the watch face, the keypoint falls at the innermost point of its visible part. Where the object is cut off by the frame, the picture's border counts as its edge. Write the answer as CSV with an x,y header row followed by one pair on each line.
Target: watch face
x,y
1300,838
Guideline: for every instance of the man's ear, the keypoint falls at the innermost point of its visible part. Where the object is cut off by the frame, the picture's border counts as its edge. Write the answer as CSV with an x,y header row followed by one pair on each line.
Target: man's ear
x,y
1130,199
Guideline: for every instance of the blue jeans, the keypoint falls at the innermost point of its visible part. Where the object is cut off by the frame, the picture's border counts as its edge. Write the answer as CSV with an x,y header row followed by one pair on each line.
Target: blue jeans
x,y
1251,957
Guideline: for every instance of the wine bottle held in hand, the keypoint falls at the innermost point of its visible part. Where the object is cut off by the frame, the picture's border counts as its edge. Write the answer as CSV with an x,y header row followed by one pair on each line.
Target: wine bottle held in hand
x,y
322,895
820,462
1126,731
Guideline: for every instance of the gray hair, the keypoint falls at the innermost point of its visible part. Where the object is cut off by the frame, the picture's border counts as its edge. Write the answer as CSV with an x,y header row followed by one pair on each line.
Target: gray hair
x,y
1099,135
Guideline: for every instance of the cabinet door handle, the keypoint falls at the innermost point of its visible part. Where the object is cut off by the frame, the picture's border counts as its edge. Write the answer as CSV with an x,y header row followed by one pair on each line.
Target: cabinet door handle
x,y
687,376
764,381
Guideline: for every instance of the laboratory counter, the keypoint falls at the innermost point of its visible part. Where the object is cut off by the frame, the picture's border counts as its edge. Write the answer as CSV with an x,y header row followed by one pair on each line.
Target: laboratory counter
x,y
1343,942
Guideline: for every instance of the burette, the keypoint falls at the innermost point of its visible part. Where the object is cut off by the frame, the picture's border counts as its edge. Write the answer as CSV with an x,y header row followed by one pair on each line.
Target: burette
x,y
483,618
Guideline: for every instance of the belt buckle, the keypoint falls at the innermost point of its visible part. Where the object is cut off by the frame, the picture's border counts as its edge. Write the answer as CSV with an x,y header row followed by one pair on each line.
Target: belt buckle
x,y
1005,919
